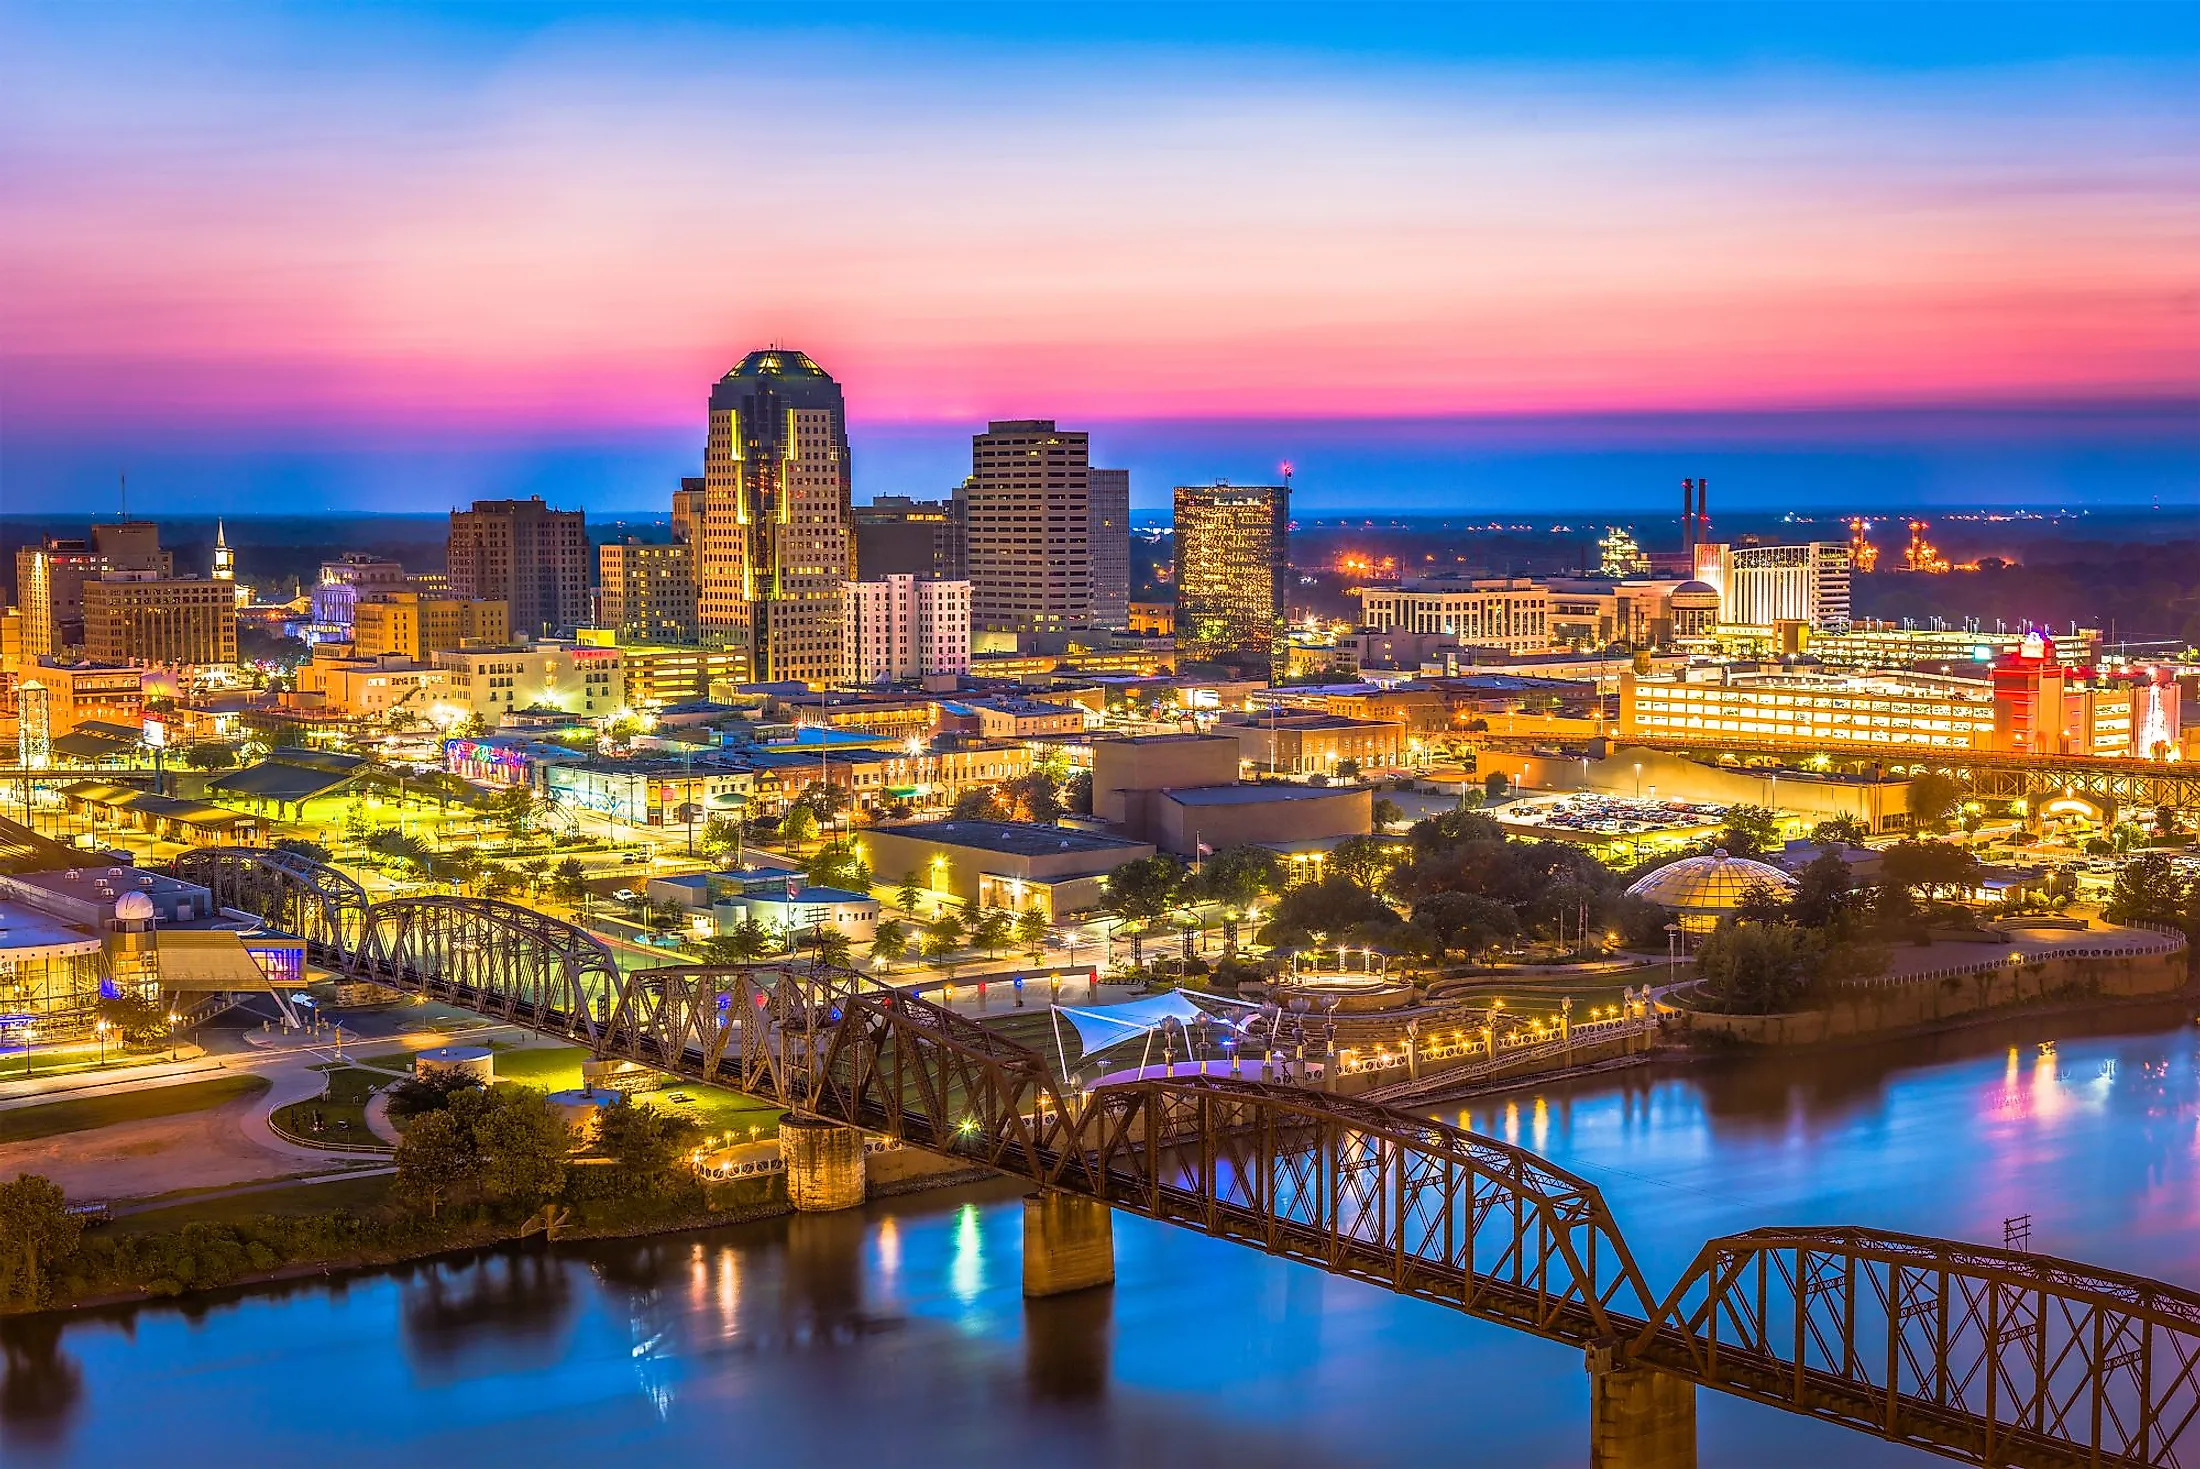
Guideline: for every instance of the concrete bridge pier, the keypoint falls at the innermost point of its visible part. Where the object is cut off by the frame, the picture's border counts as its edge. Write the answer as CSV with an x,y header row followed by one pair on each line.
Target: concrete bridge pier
x,y
1069,1244
824,1163
1639,1418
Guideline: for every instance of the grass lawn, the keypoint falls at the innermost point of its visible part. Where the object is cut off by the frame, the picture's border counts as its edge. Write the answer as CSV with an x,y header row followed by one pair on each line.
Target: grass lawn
x,y
553,1068
342,1109
81,1114
306,1197
718,1109
399,1062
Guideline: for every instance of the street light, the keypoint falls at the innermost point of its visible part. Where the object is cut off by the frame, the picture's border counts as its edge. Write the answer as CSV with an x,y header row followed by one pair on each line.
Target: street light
x,y
173,1017
102,1027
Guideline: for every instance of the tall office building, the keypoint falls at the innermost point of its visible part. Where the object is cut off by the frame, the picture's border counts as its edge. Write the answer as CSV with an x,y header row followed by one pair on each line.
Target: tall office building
x,y
775,544
412,626
687,510
898,536
1028,529
50,578
1110,499
144,617
1233,575
533,559
902,627
648,591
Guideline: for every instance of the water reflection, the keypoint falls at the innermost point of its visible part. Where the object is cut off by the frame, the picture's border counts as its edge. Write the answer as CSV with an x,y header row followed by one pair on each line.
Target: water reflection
x,y
1067,1340
898,1334
40,1384
489,1313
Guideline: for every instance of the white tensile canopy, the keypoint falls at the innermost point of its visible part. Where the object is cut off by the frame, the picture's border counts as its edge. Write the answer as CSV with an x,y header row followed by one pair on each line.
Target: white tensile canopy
x,y
1101,1026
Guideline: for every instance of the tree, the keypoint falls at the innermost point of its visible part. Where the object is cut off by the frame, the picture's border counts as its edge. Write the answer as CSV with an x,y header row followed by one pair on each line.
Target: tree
x,y
1334,907
1843,830
829,946
1387,814
135,1019
1077,793
978,803
890,941
747,941
1035,795
1750,830
993,930
840,864
514,809
1031,931
1364,861
1495,786
1932,797
944,934
522,1141
1237,878
1467,922
1140,891
722,834
37,1232
1931,867
1449,829
798,825
644,1144
1756,968
2147,890
1347,769
911,892
1824,892
569,880
435,1156
311,851
209,755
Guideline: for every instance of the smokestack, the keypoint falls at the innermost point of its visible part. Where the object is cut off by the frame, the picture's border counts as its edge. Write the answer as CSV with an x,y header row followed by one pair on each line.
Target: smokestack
x,y
1688,516
1703,509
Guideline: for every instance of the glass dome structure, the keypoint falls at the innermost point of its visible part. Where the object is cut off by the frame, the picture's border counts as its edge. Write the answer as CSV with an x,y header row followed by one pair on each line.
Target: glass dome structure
x,y
1699,891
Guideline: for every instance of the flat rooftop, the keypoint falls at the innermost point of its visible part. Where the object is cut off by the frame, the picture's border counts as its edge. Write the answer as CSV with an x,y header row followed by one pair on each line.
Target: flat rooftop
x,y
1023,839
1254,795
26,933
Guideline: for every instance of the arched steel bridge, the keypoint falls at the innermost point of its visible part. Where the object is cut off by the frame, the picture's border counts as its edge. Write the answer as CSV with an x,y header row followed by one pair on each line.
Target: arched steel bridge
x,y
1979,1354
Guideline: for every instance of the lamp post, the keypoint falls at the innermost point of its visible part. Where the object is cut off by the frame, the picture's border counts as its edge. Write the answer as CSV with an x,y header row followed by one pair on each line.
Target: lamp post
x,y
173,1017
102,1027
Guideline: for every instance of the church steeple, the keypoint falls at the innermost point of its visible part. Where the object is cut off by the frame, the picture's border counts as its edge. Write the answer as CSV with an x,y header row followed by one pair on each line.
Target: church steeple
x,y
225,560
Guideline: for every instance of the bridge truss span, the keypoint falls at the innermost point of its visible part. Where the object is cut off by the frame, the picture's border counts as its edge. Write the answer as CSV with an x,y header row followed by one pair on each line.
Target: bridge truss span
x,y
1976,1353
1412,1205
494,958
311,900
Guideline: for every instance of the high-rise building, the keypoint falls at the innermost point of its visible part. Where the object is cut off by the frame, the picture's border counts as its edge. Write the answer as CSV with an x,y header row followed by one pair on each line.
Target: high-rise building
x,y
50,578
1110,499
1233,575
533,559
687,510
1027,530
1762,585
775,544
412,626
648,591
144,617
900,627
898,536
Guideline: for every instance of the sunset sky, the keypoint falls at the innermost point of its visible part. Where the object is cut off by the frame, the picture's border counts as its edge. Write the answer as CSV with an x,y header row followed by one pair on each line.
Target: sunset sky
x,y
272,257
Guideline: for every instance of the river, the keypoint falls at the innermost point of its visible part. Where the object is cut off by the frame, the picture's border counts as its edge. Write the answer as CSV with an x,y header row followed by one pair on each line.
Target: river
x,y
898,1335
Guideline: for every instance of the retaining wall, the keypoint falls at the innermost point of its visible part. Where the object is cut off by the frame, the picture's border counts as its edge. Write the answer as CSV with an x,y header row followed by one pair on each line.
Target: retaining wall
x,y
1886,1007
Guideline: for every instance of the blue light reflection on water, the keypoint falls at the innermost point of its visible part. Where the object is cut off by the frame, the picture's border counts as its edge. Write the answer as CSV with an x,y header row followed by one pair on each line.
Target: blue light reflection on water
x,y
898,1335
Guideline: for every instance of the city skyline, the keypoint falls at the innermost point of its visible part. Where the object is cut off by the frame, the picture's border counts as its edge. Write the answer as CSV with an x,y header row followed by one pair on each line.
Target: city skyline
x,y
345,261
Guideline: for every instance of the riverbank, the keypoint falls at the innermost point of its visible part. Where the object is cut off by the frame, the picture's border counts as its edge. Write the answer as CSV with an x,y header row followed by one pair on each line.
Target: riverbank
x,y
208,1245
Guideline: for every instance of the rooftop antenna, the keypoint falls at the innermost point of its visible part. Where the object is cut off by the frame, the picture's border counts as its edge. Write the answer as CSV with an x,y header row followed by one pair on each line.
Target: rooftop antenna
x,y
122,506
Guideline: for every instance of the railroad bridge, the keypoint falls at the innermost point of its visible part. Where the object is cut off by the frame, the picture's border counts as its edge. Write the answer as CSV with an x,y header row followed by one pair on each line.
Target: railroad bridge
x,y
1986,1355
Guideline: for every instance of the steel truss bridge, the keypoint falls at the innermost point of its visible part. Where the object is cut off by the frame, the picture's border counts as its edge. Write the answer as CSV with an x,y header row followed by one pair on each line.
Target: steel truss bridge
x,y
1991,1356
